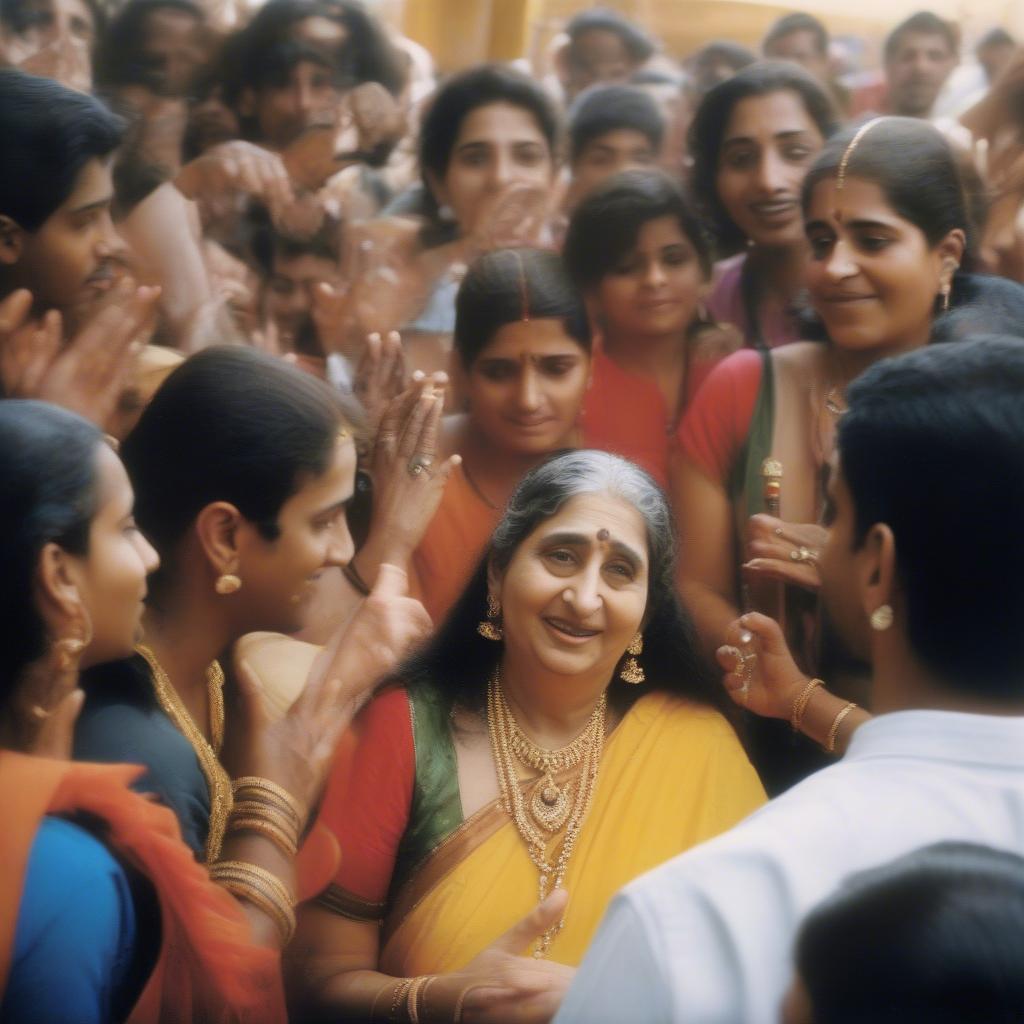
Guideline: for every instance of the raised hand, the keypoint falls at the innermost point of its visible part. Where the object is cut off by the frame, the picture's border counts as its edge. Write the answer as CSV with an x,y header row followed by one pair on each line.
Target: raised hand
x,y
380,376
236,167
514,216
784,551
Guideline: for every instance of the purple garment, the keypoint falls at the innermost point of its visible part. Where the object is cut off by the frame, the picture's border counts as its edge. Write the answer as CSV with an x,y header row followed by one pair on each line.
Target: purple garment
x,y
726,306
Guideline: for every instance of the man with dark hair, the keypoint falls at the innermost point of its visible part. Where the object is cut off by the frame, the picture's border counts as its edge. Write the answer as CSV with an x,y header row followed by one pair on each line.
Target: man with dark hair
x,y
994,51
53,38
603,47
923,576
919,55
612,128
718,61
802,39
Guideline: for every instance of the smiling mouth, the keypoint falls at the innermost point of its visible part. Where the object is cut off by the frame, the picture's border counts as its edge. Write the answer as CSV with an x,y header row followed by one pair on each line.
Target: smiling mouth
x,y
774,210
567,629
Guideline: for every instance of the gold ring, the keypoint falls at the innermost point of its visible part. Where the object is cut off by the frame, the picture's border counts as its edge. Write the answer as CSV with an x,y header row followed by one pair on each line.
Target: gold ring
x,y
419,463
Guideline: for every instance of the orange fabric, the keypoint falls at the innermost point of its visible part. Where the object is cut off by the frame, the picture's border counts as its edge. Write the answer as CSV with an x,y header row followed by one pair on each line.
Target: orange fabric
x,y
452,546
625,413
208,969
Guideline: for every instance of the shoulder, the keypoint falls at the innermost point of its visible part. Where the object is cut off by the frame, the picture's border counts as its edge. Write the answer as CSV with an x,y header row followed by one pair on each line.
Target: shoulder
x,y
799,354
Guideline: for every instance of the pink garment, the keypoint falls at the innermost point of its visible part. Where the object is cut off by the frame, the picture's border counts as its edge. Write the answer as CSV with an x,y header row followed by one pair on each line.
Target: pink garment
x,y
726,306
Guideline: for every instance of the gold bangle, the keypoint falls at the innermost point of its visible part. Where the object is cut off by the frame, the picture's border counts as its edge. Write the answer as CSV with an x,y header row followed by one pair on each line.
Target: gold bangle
x,y
398,996
800,704
281,839
246,869
267,786
410,999
457,1012
830,744
282,915
427,982
268,812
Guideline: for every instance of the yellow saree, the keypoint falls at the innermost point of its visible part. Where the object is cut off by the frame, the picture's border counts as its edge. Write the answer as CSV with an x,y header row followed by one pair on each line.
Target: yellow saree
x,y
672,775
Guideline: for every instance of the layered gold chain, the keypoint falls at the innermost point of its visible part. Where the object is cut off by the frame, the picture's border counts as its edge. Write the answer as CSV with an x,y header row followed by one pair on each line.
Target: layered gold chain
x,y
217,780
550,808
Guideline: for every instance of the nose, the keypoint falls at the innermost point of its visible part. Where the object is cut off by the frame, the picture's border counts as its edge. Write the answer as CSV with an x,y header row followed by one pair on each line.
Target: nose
x,y
148,553
502,170
583,595
771,171
654,274
841,263
340,547
108,242
529,390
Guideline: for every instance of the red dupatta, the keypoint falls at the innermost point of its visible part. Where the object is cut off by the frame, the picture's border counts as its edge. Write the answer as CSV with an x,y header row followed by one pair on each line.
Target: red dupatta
x,y
209,968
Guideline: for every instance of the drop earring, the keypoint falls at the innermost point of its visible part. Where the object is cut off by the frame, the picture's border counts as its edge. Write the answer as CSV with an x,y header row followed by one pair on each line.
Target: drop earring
x,y
881,618
632,671
490,628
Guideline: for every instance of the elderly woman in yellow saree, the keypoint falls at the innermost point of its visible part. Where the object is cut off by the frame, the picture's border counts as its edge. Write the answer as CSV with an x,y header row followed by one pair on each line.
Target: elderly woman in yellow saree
x,y
559,732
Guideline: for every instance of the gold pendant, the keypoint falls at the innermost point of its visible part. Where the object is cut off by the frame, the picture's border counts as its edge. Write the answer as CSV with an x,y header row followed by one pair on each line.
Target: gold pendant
x,y
549,805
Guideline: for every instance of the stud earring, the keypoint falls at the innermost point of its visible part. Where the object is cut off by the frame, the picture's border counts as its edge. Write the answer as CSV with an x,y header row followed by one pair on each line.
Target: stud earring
x,y
881,618
632,671
490,628
228,583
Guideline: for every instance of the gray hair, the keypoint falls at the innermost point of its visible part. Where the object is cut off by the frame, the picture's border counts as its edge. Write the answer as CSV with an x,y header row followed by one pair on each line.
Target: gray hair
x,y
543,492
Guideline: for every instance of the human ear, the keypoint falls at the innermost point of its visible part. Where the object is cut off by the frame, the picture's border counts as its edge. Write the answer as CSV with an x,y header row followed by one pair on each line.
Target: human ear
x,y
951,251
12,241
217,529
437,188
876,573
57,590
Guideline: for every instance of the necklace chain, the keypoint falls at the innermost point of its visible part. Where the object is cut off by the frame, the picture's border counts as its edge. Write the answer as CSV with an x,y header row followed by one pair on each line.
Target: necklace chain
x,y
550,807
217,780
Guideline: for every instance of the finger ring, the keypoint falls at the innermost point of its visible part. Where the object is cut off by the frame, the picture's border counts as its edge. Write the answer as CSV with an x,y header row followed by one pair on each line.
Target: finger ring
x,y
39,712
800,554
778,531
418,463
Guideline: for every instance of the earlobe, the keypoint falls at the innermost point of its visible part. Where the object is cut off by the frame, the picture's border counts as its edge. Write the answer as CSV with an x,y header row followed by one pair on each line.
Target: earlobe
x,y
217,529
878,577
11,241
57,591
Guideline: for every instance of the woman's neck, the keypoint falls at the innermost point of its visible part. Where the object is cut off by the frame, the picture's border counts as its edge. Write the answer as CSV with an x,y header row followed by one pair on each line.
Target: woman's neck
x,y
495,472
778,272
656,354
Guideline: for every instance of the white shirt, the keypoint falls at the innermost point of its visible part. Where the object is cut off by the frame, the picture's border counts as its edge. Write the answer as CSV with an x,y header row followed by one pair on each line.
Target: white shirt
x,y
707,937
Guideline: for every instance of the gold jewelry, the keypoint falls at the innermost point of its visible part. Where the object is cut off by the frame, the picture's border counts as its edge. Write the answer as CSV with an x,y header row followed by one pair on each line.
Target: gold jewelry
x,y
40,713
803,554
271,790
410,998
549,804
228,583
632,671
245,869
261,888
427,982
796,716
490,628
399,994
771,473
848,152
457,1011
944,292
881,618
419,464
284,841
830,743
217,780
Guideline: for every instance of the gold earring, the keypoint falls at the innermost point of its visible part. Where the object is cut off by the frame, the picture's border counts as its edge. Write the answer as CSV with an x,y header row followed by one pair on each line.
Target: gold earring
x,y
944,291
490,628
69,648
228,583
632,671
881,618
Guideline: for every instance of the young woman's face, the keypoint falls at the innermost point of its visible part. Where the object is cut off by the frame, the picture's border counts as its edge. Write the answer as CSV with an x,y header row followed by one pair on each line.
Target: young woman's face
x,y
111,577
278,575
526,387
767,148
656,289
497,145
575,592
872,277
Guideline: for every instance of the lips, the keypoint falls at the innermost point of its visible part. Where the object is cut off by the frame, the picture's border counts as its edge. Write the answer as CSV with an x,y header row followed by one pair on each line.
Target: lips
x,y
570,631
775,211
531,422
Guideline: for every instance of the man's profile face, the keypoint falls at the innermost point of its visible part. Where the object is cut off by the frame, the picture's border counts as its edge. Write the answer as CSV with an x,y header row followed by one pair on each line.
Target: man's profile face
x,y
917,71
70,262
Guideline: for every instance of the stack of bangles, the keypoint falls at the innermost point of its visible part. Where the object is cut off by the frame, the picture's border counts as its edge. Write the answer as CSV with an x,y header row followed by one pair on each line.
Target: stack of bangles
x,y
409,1002
264,808
800,706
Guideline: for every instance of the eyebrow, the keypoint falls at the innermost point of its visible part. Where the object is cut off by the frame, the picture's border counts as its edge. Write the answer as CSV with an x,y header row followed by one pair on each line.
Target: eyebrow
x,y
98,204
332,509
579,540
861,223
788,134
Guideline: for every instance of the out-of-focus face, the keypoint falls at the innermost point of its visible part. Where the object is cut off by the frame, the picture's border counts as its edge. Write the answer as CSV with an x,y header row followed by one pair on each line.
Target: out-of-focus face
x,y
288,298
111,576
656,288
42,22
210,121
325,33
575,591
172,50
526,387
51,38
767,148
498,145
284,111
872,277
800,47
71,262
278,575
599,55
917,71
995,57
619,150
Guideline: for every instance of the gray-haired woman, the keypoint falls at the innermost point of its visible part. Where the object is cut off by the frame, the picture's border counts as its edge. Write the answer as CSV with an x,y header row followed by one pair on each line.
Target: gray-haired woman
x,y
559,732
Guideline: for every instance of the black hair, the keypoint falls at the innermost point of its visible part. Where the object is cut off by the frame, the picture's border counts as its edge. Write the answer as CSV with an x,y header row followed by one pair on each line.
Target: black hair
x,y
604,227
367,55
659,76
922,23
800,21
913,164
119,59
229,424
934,440
505,287
267,242
49,495
458,662
981,305
607,108
997,36
49,133
603,19
712,119
732,54
934,937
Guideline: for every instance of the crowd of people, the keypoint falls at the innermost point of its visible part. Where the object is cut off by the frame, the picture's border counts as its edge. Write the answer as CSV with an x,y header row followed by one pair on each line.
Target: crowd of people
x,y
522,544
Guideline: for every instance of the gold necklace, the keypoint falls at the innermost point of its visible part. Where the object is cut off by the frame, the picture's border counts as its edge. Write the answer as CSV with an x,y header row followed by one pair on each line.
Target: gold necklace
x,y
217,780
547,800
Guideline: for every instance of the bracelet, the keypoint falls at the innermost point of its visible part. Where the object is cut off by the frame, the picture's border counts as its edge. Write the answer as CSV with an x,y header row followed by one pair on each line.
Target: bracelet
x,y
266,787
243,869
427,982
269,813
410,999
457,1012
800,704
281,839
830,744
351,573
399,995
251,888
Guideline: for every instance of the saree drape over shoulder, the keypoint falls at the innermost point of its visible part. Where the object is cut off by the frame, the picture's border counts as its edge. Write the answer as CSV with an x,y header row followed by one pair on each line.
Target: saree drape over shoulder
x,y
444,888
